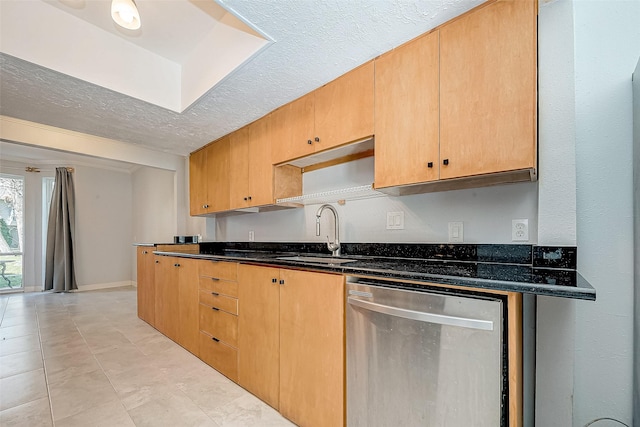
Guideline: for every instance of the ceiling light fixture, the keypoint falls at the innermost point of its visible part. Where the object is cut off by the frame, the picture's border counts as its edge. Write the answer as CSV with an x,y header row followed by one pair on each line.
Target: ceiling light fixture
x,y
125,13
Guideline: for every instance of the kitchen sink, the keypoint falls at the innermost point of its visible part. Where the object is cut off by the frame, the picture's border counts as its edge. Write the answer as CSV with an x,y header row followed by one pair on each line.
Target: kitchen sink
x,y
317,259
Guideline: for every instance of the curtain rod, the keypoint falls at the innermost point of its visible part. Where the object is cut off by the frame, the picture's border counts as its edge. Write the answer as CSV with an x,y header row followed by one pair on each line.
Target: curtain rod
x,y
37,170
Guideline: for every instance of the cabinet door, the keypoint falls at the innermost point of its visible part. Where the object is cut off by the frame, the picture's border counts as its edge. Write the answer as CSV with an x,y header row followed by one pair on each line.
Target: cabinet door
x,y
488,90
407,128
188,297
218,175
239,168
312,348
293,129
198,182
166,280
259,160
146,285
344,109
259,332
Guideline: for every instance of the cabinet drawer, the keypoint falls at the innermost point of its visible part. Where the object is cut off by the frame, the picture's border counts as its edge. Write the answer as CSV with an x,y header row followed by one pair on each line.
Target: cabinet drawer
x,y
223,287
218,269
215,299
219,356
217,323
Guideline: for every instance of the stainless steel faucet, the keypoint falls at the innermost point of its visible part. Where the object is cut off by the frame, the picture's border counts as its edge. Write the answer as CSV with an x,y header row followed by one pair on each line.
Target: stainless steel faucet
x,y
335,246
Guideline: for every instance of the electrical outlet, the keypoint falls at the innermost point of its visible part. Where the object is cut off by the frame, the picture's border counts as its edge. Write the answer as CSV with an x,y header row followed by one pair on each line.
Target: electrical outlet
x,y
520,230
395,220
251,236
456,232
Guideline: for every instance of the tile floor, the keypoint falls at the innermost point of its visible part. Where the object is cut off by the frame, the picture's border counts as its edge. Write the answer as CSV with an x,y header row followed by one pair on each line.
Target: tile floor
x,y
85,359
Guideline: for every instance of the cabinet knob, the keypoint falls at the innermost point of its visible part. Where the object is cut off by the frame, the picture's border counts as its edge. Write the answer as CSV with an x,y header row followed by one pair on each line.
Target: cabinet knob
x,y
205,206
309,142
445,162
249,197
282,282
245,199
317,139
430,164
157,262
176,265
144,252
274,280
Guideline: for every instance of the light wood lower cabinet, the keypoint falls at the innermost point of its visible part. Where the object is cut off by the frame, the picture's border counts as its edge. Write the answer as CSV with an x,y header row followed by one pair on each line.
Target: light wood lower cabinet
x,y
218,311
291,342
176,300
146,288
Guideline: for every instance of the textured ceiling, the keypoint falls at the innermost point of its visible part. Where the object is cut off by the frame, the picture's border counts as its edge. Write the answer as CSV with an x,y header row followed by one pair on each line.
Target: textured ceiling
x,y
315,41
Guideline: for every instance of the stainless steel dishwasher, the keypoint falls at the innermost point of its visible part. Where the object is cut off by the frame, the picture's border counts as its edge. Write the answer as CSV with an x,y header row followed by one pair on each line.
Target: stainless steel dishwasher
x,y
424,358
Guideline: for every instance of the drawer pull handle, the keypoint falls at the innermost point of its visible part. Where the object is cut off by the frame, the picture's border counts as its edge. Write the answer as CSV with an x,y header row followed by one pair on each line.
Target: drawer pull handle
x,y
215,308
215,294
215,339
282,282
274,280
215,279
145,252
176,265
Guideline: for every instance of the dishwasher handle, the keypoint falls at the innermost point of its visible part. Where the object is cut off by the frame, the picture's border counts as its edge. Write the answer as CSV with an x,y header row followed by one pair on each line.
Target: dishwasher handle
x,y
485,325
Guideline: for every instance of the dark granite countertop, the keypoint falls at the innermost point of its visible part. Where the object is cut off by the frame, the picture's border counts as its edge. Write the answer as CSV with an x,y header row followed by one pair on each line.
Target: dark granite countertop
x,y
530,269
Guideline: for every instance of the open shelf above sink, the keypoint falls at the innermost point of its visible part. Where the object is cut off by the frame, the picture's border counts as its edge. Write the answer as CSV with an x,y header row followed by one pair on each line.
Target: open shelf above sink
x,y
333,196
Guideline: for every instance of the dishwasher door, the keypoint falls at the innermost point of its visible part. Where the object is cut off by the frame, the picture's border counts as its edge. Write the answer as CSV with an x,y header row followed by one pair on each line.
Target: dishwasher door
x,y
423,359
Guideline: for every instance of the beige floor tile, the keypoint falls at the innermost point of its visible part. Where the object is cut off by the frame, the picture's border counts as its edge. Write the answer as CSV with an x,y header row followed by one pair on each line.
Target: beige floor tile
x,y
18,331
80,393
139,386
62,346
121,359
33,414
105,341
248,411
19,320
210,390
170,411
62,368
61,333
20,344
22,388
111,414
136,332
18,363
154,344
19,312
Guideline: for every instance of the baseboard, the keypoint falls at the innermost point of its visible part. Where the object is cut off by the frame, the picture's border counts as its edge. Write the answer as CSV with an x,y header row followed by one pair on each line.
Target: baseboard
x,y
32,289
96,286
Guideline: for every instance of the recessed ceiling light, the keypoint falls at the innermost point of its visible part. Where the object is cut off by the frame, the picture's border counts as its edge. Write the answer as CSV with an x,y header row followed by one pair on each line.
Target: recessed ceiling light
x,y
125,13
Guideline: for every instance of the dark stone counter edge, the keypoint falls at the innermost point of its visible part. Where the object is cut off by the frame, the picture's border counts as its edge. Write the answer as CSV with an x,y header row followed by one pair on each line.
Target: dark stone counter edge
x,y
583,289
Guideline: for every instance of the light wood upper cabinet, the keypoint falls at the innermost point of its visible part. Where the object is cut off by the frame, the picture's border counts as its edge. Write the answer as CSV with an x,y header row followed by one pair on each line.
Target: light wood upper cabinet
x,y
335,114
146,286
259,332
344,108
488,90
251,170
407,114
293,128
209,178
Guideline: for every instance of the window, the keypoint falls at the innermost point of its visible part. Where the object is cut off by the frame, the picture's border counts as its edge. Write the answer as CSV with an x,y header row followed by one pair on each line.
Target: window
x,y
11,231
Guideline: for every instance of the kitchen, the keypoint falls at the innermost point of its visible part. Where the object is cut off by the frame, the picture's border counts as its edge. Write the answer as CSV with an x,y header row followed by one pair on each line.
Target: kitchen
x,y
564,129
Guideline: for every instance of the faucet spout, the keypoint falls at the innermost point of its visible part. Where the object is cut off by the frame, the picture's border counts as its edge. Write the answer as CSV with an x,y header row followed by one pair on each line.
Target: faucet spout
x,y
334,246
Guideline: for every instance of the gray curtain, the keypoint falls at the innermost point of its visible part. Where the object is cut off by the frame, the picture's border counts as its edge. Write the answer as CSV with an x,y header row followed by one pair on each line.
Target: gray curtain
x,y
59,270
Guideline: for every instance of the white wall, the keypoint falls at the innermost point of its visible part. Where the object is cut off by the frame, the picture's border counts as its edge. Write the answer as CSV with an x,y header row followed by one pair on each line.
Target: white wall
x,y
555,323
103,226
154,205
485,212
607,48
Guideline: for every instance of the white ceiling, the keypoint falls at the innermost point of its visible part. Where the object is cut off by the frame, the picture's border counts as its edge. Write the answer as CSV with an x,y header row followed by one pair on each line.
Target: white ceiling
x,y
314,41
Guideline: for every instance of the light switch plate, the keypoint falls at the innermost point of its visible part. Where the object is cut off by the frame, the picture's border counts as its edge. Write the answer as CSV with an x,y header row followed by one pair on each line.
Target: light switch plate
x,y
456,232
395,220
